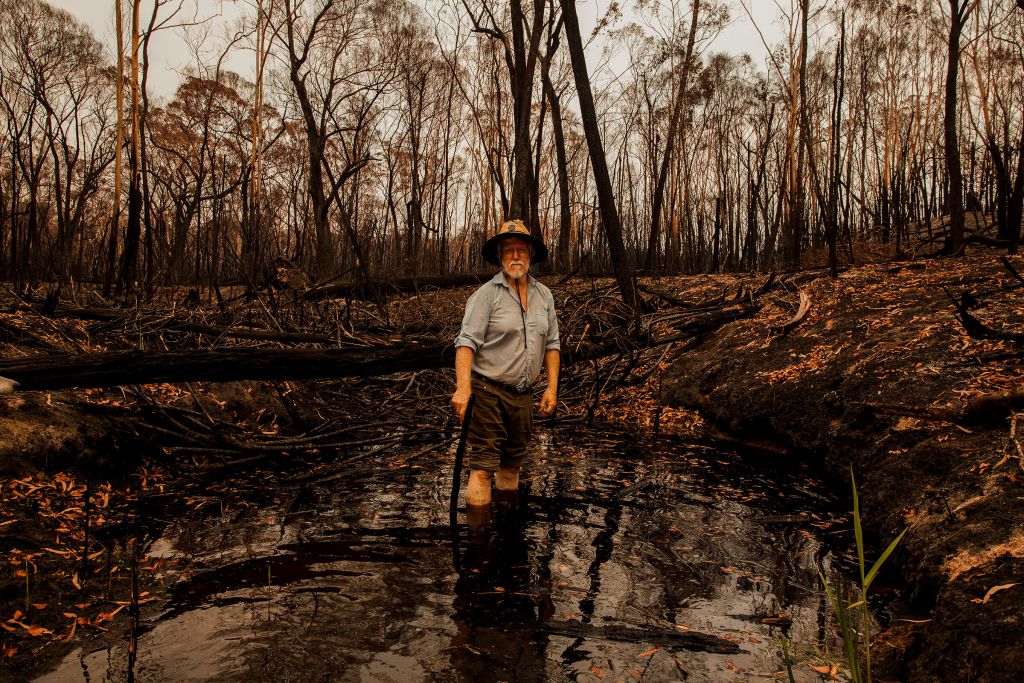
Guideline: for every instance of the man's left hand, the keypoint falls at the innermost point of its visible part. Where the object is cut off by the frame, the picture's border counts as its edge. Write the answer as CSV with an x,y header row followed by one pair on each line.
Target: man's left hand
x,y
548,401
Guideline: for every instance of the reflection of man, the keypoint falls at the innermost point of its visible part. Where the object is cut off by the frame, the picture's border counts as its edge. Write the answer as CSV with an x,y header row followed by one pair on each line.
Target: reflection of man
x,y
498,604
509,331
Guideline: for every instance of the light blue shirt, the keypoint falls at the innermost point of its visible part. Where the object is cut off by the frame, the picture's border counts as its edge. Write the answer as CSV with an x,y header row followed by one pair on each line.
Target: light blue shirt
x,y
509,342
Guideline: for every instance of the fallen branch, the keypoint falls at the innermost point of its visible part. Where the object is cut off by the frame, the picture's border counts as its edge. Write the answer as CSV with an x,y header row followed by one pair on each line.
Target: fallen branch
x,y
801,313
1013,271
201,328
362,290
687,640
977,329
667,298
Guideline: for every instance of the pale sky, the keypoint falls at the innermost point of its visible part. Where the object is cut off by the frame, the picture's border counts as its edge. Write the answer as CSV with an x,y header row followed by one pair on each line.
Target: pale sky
x,y
170,53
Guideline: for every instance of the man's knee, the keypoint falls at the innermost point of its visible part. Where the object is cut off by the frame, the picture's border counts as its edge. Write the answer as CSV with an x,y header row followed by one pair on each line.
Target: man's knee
x,y
478,491
507,479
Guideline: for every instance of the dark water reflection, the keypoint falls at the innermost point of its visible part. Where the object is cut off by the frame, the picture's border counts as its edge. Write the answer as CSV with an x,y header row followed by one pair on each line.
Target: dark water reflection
x,y
618,558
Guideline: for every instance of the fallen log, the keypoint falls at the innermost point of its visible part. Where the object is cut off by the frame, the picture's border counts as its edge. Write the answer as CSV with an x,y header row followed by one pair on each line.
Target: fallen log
x,y
115,368
694,641
222,365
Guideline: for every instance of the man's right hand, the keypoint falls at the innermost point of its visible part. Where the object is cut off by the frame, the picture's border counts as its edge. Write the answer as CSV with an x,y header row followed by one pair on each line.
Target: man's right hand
x,y
460,400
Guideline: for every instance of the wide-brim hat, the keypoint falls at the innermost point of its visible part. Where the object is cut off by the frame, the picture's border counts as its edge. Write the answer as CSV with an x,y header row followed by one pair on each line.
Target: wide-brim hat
x,y
514,228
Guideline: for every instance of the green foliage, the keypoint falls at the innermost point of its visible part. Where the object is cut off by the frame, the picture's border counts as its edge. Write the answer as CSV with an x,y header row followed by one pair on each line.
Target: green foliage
x,y
787,658
847,608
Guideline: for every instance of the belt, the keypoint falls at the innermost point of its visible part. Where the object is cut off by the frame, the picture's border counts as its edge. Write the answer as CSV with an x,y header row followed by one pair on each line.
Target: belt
x,y
501,385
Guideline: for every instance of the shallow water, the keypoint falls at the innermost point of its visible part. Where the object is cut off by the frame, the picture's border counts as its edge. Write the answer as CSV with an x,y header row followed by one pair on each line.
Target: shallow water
x,y
621,561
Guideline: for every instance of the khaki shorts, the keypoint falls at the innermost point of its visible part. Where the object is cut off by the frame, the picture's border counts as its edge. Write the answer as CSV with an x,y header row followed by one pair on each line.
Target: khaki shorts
x,y
500,427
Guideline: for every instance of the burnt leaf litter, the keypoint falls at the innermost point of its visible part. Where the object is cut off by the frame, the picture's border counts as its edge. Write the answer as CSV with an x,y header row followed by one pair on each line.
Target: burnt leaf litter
x,y
252,530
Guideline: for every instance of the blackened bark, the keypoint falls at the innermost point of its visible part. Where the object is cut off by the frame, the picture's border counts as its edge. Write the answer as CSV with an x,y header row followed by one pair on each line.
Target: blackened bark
x,y
654,236
522,69
563,260
132,237
1009,196
959,9
562,256
606,198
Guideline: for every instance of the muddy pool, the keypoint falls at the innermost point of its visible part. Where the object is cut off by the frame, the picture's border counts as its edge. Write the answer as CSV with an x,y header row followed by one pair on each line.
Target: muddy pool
x,y
621,560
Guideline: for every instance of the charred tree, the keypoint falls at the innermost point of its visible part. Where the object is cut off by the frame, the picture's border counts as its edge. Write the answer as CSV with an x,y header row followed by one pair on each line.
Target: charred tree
x,y
606,198
959,11
658,197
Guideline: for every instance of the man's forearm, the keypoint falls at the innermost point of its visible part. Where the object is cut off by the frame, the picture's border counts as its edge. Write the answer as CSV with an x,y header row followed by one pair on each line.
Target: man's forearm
x,y
552,363
464,356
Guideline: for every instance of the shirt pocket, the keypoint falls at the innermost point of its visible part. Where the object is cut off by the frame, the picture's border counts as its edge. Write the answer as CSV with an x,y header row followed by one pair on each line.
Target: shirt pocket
x,y
541,319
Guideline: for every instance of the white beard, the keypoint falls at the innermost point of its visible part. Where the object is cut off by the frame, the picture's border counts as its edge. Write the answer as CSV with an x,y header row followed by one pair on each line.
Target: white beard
x,y
516,278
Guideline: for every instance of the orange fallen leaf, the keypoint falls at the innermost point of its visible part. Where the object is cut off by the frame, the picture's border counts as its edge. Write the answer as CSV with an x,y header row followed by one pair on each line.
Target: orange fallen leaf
x,y
75,582
597,672
825,670
32,630
648,653
108,616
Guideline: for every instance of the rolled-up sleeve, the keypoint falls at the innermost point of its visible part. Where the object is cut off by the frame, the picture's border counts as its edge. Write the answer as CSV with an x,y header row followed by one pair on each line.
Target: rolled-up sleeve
x,y
474,322
553,340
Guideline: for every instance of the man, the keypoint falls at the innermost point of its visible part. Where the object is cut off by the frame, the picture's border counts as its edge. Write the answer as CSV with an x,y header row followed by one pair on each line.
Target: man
x,y
509,331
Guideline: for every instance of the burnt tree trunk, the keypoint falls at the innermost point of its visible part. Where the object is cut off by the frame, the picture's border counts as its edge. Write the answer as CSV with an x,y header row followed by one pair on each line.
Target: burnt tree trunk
x,y
959,10
658,197
606,198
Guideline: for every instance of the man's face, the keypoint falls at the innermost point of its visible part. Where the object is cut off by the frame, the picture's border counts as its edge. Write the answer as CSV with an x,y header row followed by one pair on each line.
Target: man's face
x,y
515,257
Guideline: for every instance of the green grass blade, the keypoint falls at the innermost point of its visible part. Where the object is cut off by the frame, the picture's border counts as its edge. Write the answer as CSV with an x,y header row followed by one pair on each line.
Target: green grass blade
x,y
842,614
882,559
787,658
858,532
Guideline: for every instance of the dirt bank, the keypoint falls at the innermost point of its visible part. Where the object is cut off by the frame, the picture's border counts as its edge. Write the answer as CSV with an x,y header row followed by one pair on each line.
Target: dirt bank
x,y
881,374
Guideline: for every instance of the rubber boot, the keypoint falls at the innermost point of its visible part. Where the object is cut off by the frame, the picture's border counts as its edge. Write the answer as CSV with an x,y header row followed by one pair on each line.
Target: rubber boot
x,y
478,517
